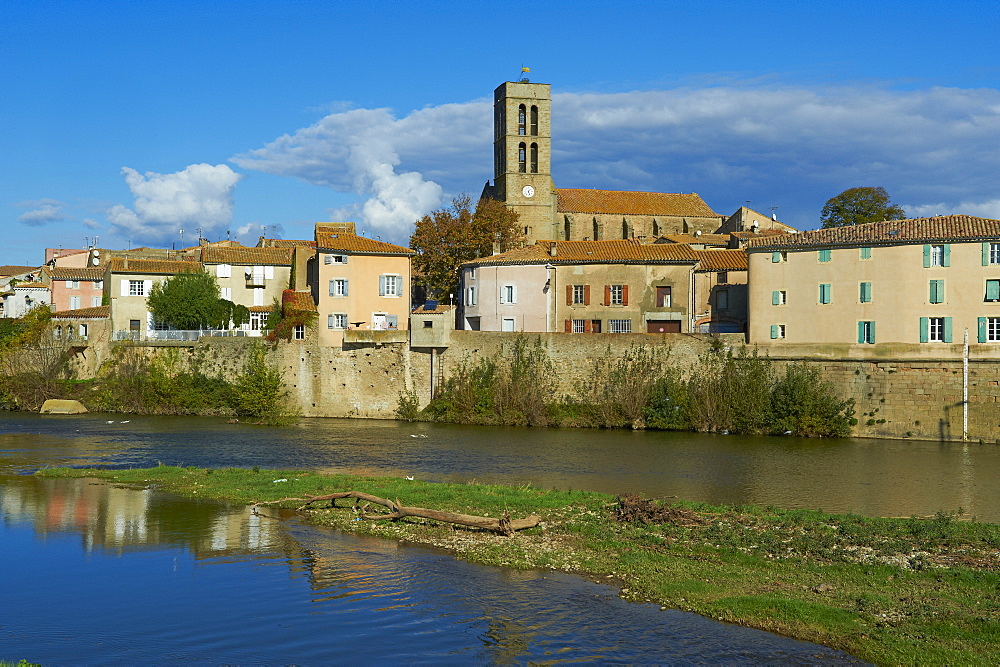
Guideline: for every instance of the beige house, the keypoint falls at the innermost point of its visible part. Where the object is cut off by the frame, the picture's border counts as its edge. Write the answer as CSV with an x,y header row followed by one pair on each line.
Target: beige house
x,y
620,286
361,283
251,277
720,291
522,179
920,281
128,282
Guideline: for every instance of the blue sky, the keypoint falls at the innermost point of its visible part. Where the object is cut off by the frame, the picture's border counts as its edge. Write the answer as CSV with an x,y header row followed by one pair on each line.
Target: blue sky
x,y
130,121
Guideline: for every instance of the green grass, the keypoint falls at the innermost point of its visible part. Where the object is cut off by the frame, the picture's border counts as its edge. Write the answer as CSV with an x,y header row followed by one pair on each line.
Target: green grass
x,y
891,591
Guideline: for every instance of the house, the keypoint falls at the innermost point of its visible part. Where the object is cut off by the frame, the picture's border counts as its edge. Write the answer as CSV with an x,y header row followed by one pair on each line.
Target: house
x,y
75,288
361,283
746,219
922,281
128,282
251,277
617,286
719,283
24,296
303,252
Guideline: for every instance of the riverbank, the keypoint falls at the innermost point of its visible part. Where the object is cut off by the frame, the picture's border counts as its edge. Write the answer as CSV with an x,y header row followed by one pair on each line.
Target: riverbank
x,y
890,591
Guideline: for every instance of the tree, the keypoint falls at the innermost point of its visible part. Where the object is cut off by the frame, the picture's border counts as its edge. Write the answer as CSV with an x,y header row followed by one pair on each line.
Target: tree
x,y
858,206
449,236
191,301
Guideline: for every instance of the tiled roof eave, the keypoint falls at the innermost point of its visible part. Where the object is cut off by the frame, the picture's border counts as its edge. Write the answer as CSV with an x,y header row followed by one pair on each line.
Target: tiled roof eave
x,y
840,245
383,253
575,262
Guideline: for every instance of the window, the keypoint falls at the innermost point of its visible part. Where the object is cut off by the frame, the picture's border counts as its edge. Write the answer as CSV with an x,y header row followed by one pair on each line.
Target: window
x,y
338,287
534,158
619,326
936,291
508,294
578,295
663,296
824,255
470,295
616,295
865,292
389,285
937,255
522,120
335,259
989,329
534,120
579,326
777,331
522,158
778,298
300,332
935,329
257,321
98,284
336,321
866,252
57,332
824,293
224,271
428,324
722,299
992,290
595,326
137,288
507,324
227,293
95,301
258,296
83,331
779,256
471,273
74,284
991,253
74,302
866,333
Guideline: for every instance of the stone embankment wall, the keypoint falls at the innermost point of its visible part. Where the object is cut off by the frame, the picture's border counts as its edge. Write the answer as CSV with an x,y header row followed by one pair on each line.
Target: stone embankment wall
x,y
903,397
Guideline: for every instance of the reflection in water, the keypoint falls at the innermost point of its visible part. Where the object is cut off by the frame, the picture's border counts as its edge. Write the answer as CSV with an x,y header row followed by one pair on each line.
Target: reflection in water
x,y
157,578
878,477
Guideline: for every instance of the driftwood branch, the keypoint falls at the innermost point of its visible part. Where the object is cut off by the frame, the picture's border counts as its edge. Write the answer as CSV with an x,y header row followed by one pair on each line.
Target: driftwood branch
x,y
503,525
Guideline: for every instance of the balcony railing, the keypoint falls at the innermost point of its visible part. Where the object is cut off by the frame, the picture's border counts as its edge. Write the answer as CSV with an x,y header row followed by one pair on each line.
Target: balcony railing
x,y
181,335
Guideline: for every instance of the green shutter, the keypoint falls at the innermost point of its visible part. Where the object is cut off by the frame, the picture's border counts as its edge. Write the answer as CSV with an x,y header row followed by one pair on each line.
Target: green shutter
x,y
982,329
927,256
947,254
993,290
824,293
866,252
947,329
925,325
866,292
774,298
824,255
937,291
986,254
872,329
775,257
861,332
774,331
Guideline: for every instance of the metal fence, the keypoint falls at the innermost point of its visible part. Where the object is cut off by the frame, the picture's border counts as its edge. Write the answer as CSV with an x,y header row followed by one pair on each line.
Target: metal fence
x,y
181,335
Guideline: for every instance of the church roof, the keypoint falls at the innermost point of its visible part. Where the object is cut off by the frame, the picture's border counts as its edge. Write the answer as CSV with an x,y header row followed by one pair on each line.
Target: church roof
x,y
621,251
889,232
571,200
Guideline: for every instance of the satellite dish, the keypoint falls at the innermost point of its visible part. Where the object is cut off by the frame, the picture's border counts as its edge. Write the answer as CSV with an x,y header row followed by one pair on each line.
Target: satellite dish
x,y
97,260
97,253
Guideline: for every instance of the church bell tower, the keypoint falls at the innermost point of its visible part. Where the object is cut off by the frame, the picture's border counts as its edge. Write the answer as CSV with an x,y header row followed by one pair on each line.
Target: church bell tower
x,y
522,155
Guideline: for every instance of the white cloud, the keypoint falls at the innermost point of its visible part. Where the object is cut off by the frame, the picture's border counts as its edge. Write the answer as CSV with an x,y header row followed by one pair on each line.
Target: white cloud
x,y
199,196
42,212
251,232
789,147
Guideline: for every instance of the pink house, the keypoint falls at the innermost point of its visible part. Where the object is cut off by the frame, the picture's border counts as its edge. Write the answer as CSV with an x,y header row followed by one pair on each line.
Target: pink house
x,y
75,288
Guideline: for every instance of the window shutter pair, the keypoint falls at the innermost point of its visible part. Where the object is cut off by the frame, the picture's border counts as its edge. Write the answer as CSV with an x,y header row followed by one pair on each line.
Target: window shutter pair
x,y
861,332
824,293
937,291
224,271
945,255
824,255
865,295
333,288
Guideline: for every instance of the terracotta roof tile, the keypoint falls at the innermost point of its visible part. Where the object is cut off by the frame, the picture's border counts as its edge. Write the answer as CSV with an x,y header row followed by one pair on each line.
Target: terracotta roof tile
x,y
632,203
890,232
352,243
69,273
117,265
439,308
336,228
81,313
12,270
721,260
744,236
297,300
247,256
624,251
259,309
701,239
288,243
31,286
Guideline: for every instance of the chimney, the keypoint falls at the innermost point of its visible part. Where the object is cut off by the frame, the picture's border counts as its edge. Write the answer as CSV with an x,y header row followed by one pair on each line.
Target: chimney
x,y
125,266
553,249
496,247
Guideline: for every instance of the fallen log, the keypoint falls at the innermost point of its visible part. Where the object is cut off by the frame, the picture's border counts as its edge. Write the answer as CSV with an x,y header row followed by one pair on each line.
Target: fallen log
x,y
503,525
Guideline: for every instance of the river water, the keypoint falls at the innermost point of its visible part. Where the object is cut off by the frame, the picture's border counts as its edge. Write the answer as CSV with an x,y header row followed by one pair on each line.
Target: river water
x,y
96,573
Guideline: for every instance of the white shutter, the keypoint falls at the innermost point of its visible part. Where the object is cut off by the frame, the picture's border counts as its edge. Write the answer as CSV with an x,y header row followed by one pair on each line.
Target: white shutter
x,y
224,271
381,285
124,287
503,294
513,294
258,296
146,286
332,287
258,274
269,272
227,293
